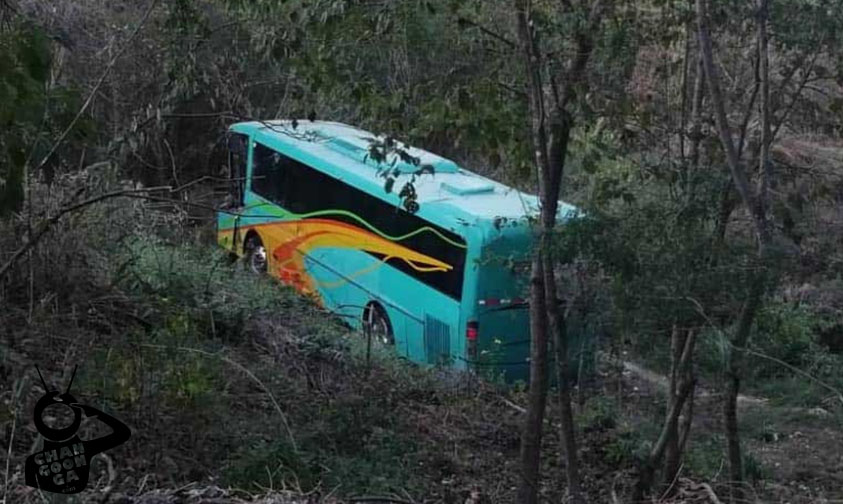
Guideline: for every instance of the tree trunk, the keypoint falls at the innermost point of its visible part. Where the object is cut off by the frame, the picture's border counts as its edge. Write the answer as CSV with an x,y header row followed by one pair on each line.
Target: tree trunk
x,y
558,329
672,455
550,149
756,204
566,413
683,345
765,166
558,147
733,381
696,128
753,302
531,435
739,177
687,418
681,427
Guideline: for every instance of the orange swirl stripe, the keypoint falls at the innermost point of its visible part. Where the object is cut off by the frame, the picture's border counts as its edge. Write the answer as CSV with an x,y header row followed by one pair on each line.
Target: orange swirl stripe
x,y
289,241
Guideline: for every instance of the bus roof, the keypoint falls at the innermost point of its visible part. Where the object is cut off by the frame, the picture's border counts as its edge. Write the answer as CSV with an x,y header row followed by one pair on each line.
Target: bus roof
x,y
469,193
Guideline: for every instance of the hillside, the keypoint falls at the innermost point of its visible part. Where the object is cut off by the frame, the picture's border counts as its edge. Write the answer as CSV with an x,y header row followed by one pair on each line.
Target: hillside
x,y
689,320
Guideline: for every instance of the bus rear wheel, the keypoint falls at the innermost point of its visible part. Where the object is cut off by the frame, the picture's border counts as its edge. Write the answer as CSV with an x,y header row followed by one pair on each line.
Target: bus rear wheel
x,y
376,320
256,255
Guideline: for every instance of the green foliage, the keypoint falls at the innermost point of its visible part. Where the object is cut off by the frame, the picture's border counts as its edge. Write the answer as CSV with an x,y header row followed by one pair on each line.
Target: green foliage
x,y
185,27
352,442
621,443
188,379
24,70
787,338
754,469
196,286
627,448
32,110
114,375
788,333
706,458
186,298
608,174
600,413
356,442
265,464
377,466
381,67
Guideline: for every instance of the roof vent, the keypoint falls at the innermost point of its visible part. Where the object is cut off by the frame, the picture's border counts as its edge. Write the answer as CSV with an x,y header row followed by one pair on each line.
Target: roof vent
x,y
439,164
466,187
443,165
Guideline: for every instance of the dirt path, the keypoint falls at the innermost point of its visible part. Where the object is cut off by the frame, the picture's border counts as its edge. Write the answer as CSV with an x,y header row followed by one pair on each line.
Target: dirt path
x,y
661,382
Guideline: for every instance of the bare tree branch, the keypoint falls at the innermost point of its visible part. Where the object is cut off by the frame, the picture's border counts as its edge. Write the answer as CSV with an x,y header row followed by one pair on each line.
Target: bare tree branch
x,y
99,83
739,176
48,223
487,31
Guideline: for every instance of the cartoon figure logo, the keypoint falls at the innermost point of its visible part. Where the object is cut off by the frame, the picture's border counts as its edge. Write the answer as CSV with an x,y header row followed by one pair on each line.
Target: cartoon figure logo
x,y
63,464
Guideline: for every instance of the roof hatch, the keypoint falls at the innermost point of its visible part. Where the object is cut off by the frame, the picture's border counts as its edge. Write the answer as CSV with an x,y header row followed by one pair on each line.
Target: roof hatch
x,y
468,187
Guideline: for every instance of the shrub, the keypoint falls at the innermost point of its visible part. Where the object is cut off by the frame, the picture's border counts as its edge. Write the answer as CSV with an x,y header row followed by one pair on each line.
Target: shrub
x,y
599,414
627,448
705,457
274,465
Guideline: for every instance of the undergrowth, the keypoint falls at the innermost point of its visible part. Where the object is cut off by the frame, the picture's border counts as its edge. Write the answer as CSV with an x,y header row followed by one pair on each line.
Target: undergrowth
x,y
223,376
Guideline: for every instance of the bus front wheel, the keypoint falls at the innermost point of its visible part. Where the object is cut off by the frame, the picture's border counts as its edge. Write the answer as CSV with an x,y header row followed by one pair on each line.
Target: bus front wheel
x,y
256,255
376,320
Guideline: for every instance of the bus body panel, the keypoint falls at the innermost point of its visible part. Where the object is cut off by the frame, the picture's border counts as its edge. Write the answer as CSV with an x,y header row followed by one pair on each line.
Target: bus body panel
x,y
345,261
500,306
348,279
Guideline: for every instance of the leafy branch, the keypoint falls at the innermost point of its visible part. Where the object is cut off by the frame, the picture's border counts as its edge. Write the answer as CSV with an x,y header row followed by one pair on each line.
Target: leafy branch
x,y
386,153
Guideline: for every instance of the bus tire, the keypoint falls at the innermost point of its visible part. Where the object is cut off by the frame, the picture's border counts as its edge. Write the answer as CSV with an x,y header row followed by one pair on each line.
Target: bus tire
x,y
256,258
377,321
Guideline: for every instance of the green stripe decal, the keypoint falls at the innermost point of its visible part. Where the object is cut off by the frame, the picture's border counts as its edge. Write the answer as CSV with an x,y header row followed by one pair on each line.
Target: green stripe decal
x,y
323,213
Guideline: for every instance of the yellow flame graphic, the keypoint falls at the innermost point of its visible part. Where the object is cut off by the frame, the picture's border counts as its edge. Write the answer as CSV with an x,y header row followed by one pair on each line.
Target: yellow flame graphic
x,y
289,241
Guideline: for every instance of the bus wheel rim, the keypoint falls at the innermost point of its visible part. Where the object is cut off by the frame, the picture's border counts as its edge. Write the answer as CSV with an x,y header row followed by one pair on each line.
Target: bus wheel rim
x,y
258,262
382,331
377,324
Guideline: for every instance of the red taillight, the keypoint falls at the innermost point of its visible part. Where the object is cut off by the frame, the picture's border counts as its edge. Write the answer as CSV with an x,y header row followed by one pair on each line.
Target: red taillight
x,y
471,331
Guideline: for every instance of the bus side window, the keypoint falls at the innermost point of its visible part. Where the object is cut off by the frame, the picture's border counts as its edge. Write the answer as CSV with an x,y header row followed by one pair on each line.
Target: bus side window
x,y
269,174
303,195
237,167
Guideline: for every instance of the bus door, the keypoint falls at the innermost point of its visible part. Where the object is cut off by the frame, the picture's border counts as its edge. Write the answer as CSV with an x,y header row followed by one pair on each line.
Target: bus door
x,y
238,144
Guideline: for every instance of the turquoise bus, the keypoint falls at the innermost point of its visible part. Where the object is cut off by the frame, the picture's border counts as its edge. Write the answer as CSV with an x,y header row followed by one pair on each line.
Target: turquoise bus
x,y
443,284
